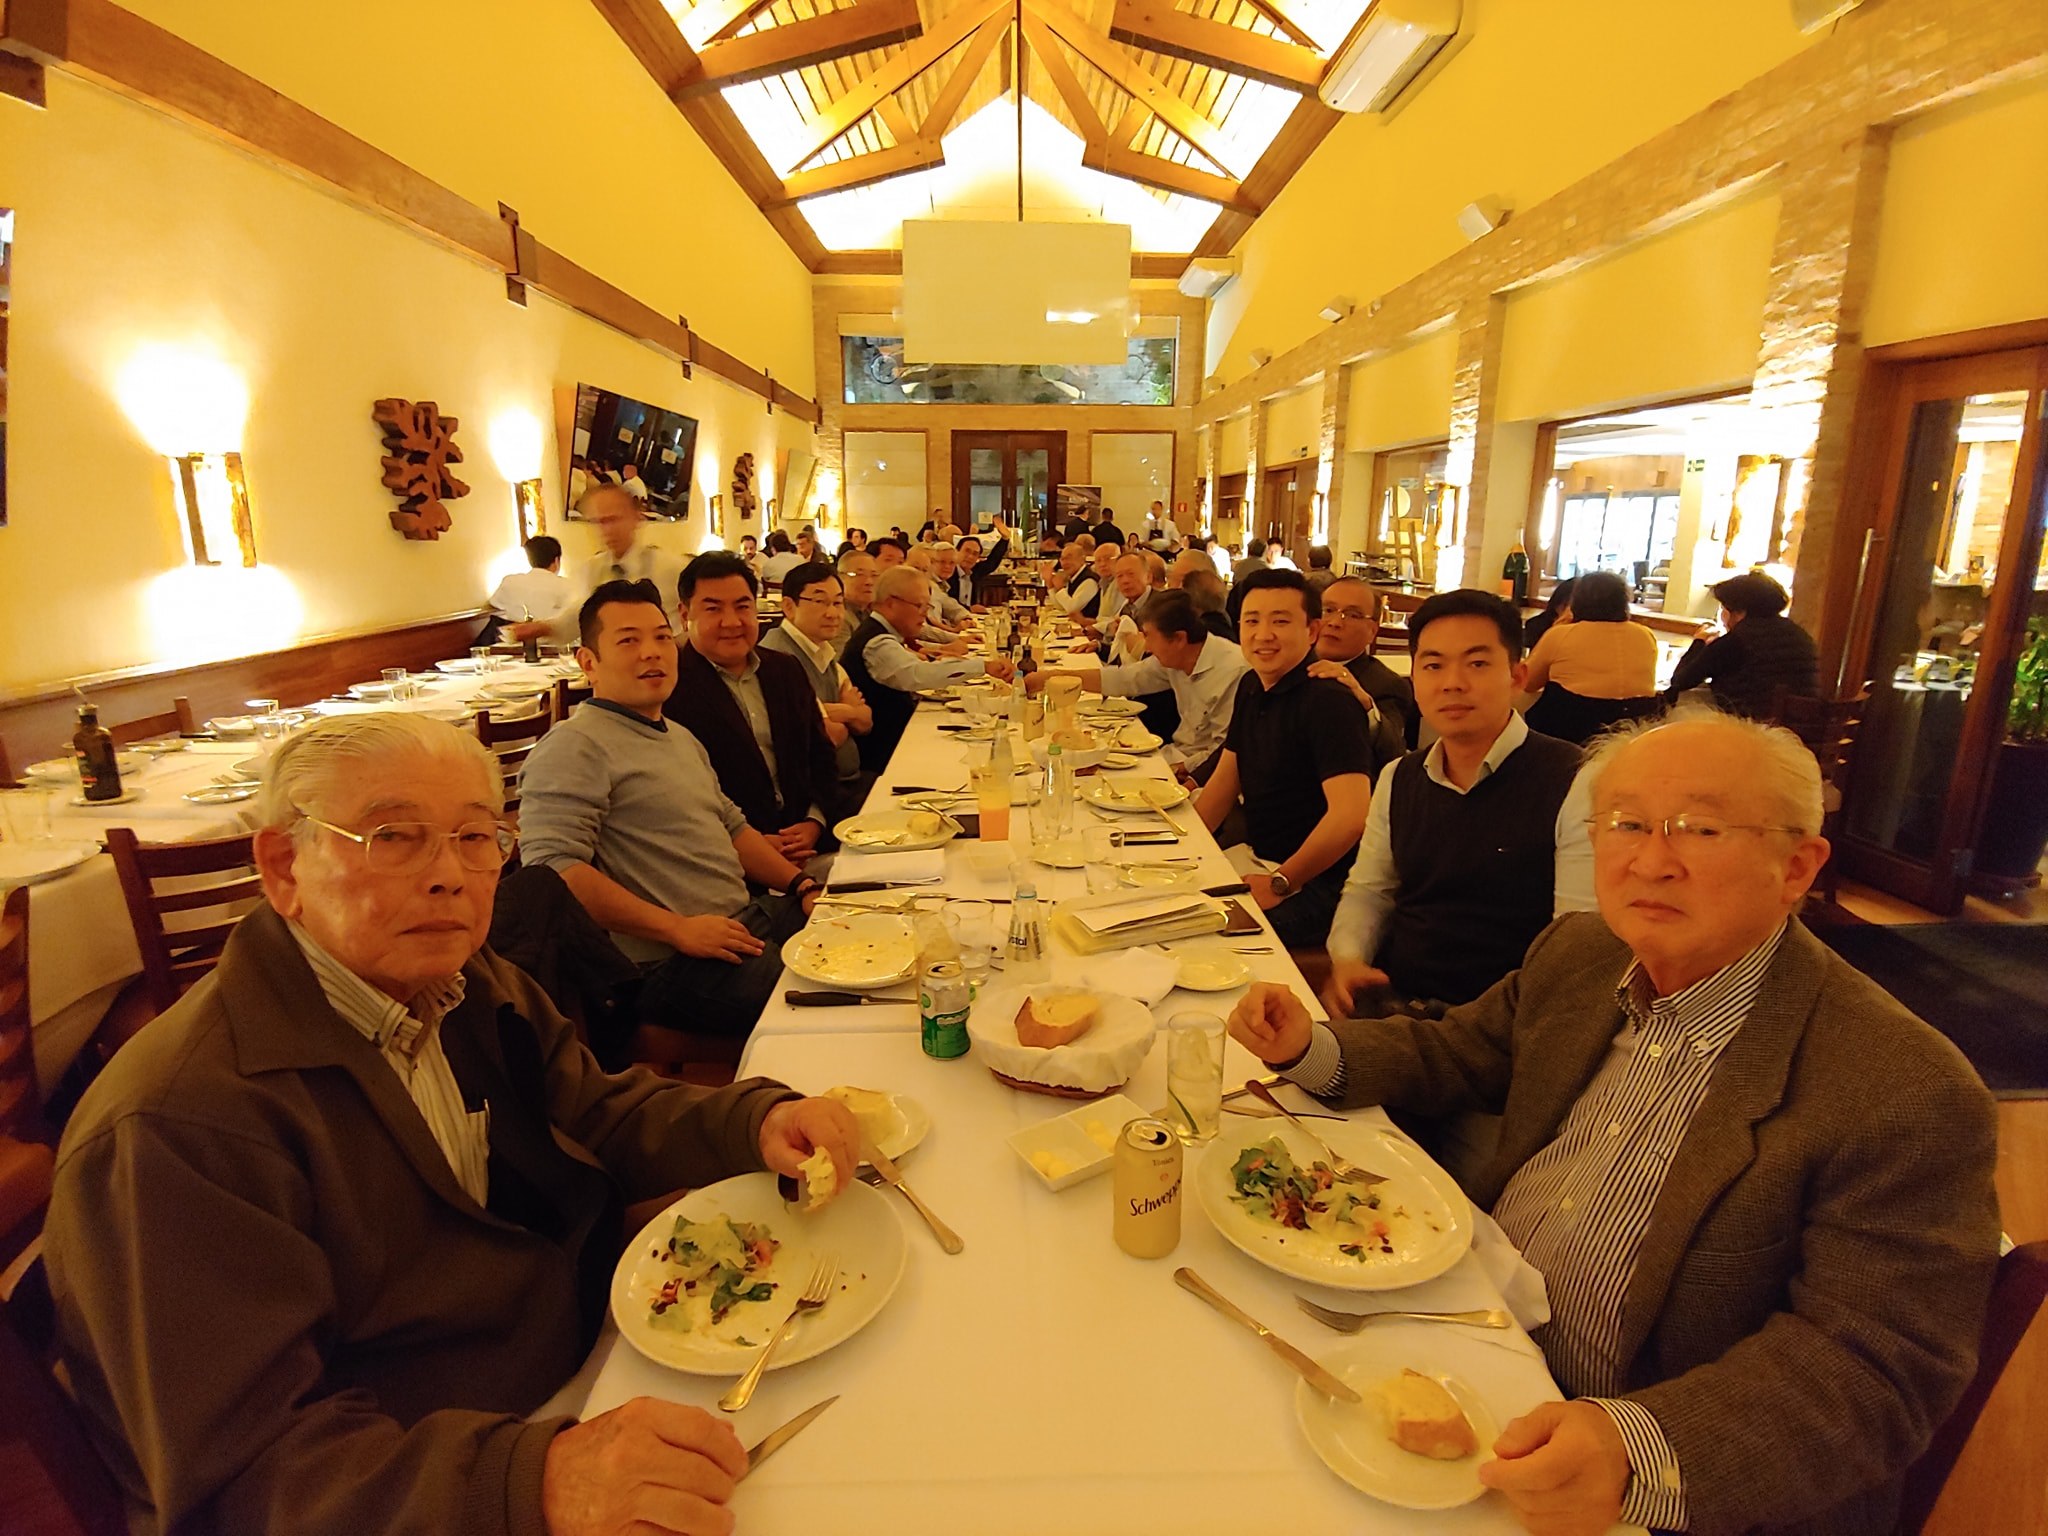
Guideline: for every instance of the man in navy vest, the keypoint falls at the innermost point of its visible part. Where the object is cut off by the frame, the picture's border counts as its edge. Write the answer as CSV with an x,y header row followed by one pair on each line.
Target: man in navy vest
x,y
1473,844
887,672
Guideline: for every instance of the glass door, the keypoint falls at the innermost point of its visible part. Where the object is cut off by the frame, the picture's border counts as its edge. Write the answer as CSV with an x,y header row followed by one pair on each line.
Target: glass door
x,y
1009,474
1956,564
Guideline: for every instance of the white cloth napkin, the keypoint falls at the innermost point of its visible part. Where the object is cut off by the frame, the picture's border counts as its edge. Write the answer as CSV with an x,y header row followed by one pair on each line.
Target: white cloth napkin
x,y
925,864
1517,1280
1146,973
1245,862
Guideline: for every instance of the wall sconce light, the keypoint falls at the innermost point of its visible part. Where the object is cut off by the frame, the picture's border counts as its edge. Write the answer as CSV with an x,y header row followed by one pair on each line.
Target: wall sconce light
x,y
213,508
1336,309
718,516
533,511
1261,356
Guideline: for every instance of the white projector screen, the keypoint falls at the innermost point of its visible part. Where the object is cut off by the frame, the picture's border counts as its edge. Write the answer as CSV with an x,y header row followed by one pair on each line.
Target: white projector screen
x,y
976,292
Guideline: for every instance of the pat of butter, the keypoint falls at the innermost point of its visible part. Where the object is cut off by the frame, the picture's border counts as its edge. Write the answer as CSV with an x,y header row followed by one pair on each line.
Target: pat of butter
x,y
1102,1135
1049,1165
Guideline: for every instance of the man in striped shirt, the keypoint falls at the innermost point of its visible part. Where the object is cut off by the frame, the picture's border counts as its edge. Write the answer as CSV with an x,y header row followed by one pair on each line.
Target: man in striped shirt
x,y
1758,1190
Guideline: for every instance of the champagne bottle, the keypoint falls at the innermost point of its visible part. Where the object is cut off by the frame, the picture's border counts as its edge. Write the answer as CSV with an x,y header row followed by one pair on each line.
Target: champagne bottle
x,y
99,774
1514,575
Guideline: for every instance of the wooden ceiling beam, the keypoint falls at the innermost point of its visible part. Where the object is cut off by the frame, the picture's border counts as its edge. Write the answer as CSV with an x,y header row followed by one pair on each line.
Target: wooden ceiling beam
x,y
1155,24
1283,15
816,40
891,75
1167,176
707,21
1126,71
1068,84
861,170
953,94
1306,127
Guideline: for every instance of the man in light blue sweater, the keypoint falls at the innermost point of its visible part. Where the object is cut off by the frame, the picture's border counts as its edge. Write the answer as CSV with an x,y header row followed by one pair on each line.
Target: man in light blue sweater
x,y
625,807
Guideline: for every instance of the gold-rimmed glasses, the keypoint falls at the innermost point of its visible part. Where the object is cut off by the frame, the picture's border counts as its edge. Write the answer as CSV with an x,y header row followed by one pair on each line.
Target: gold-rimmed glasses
x,y
1687,831
407,847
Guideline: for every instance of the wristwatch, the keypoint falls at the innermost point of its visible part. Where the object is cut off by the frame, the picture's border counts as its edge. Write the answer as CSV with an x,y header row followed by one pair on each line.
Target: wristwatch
x,y
1282,886
802,886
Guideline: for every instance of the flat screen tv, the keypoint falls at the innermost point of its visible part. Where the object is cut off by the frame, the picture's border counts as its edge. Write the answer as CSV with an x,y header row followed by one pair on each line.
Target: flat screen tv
x,y
643,447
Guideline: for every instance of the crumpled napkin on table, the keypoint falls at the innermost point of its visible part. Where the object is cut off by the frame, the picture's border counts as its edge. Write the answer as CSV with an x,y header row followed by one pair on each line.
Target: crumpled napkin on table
x,y
1520,1284
1146,973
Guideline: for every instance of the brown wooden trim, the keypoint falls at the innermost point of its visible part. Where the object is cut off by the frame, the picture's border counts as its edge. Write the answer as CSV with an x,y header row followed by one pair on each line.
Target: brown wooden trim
x,y
946,105
1200,130
1065,82
1306,127
1168,176
23,80
861,170
1282,14
112,47
703,24
1235,50
1156,265
1165,266
799,44
1992,338
34,721
1541,470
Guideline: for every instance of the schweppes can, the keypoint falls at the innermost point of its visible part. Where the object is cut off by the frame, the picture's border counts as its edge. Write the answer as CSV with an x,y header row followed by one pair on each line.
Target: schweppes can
x,y
1146,1186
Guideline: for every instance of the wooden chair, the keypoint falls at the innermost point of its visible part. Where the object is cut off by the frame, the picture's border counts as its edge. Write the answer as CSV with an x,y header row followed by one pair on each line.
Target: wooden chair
x,y
512,742
212,884
568,695
7,778
21,1106
2016,1299
179,719
56,1484
1829,728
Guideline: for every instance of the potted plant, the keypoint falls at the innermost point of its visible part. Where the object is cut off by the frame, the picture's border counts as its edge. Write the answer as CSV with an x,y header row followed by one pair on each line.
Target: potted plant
x,y
2015,832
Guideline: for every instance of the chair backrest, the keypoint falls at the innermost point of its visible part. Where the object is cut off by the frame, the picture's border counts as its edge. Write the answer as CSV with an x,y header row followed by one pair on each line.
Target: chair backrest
x,y
7,778
568,695
21,1106
1829,728
512,743
179,718
56,1483
2016,1299
182,924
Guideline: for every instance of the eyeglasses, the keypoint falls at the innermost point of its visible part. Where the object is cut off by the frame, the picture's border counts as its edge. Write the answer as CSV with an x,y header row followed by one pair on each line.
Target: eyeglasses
x,y
407,847
824,602
1355,615
1621,829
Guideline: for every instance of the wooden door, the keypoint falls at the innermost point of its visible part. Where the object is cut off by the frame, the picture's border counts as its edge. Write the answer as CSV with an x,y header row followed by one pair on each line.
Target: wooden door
x,y
1948,586
1008,474
1287,507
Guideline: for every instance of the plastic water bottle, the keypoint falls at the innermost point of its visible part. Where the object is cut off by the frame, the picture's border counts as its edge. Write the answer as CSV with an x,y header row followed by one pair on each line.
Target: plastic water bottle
x,y
1059,791
1024,955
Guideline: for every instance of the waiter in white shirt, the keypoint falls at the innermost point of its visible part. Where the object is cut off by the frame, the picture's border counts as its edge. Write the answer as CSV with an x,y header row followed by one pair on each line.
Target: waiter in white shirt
x,y
617,517
536,593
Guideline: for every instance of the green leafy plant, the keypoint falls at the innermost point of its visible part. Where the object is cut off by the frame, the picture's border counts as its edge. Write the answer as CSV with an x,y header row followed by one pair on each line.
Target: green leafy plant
x,y
2026,718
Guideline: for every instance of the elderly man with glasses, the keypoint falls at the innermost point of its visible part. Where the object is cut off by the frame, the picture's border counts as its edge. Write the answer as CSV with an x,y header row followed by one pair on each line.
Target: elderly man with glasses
x,y
1759,1191
887,672
327,1232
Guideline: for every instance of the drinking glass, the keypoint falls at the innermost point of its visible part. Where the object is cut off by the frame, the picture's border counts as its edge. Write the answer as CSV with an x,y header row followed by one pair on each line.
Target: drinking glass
x,y
1098,846
260,706
1052,831
972,925
395,680
25,813
481,655
991,800
269,732
1194,1075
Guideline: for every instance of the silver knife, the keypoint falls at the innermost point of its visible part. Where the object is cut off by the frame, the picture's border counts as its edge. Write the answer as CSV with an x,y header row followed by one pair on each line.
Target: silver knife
x,y
776,1439
1315,1375
949,1240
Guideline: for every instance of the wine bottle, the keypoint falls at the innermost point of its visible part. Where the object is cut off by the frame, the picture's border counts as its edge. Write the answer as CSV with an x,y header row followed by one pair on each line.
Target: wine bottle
x,y
99,773
1514,575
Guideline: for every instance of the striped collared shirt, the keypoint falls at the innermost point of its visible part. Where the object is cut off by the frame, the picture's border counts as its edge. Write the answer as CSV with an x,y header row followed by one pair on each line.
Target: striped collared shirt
x,y
1579,1208
408,1036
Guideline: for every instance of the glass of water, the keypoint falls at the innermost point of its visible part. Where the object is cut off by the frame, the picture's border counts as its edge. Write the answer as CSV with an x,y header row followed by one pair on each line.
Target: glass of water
x,y
25,813
481,656
1194,1075
973,927
1098,846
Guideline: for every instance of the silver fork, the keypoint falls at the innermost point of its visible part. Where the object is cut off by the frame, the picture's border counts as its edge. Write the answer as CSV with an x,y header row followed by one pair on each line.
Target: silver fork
x,y
1340,1165
1351,1322
817,1292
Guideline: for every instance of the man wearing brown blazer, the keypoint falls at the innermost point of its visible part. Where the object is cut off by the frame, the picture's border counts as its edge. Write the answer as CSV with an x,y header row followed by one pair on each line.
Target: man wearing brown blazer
x,y
754,710
1759,1190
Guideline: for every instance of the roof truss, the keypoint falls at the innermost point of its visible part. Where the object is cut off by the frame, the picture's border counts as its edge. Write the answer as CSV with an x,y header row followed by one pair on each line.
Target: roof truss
x,y
798,44
1155,24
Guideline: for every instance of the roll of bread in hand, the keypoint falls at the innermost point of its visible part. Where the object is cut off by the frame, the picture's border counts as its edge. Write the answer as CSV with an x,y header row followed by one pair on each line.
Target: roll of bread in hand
x,y
1060,1019
1424,1418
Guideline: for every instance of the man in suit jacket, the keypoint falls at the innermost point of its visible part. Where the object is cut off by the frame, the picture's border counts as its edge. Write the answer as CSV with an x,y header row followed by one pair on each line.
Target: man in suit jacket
x,y
754,710
1760,1191
327,1232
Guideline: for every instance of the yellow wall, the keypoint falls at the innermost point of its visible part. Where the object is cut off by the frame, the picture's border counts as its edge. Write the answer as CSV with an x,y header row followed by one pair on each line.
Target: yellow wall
x,y
137,233
1294,425
537,104
1233,445
1678,314
1543,93
1963,240
1404,396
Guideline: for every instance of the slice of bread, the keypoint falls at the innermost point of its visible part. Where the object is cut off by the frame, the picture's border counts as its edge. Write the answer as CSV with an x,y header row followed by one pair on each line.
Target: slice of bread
x,y
1057,1020
1424,1418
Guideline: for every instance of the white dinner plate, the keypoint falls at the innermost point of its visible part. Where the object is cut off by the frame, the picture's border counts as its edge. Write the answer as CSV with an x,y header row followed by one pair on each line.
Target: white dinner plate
x,y
1139,796
1107,706
1156,874
1212,968
457,665
1133,737
1119,760
906,1124
222,794
859,1228
64,770
251,768
128,796
1351,1438
862,951
1430,1216
892,832
28,863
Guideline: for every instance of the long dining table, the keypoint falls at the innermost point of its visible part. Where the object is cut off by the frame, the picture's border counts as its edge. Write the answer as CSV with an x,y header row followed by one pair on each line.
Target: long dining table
x,y
1042,1380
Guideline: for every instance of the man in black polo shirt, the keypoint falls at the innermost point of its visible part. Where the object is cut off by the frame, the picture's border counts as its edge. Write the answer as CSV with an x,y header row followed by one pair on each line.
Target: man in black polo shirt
x,y
1473,845
1298,755
1350,626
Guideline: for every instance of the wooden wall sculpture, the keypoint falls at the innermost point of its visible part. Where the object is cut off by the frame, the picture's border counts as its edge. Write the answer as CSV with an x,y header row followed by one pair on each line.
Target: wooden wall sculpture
x,y
419,445
743,499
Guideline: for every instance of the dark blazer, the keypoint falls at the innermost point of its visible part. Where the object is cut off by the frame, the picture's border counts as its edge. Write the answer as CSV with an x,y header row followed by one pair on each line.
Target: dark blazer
x,y
804,760
984,570
1747,666
280,1310
1806,1302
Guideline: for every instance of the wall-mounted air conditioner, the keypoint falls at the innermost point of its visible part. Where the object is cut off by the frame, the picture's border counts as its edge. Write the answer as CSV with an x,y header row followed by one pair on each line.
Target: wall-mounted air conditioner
x,y
1392,44
1205,276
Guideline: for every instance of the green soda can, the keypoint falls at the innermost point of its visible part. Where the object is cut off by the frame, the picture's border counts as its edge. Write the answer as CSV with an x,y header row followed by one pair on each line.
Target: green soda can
x,y
942,1000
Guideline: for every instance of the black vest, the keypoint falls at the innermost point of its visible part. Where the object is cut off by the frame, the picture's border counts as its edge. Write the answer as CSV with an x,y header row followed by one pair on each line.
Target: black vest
x,y
892,707
1476,871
